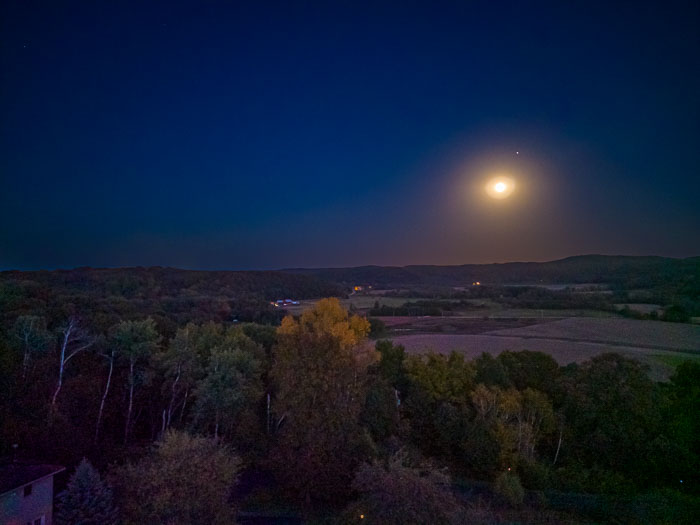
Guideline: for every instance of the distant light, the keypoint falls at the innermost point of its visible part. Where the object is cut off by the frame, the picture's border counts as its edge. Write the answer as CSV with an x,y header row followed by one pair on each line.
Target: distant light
x,y
362,516
500,187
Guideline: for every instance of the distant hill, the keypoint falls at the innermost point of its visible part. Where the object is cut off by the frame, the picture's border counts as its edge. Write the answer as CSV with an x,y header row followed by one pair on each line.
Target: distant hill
x,y
159,281
630,271
171,296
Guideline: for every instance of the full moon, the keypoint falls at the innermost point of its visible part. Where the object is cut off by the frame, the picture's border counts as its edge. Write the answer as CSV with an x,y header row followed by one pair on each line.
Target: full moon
x,y
500,187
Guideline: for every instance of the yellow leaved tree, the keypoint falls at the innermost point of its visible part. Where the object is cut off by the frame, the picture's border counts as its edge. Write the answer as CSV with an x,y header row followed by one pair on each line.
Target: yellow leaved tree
x,y
319,369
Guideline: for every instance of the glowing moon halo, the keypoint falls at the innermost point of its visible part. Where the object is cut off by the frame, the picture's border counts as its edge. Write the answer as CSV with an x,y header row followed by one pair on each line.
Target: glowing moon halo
x,y
500,187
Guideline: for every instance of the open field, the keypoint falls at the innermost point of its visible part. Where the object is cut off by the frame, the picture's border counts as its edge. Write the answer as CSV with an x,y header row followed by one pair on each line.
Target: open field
x,y
360,302
659,345
363,302
482,308
455,324
567,335
630,332
576,287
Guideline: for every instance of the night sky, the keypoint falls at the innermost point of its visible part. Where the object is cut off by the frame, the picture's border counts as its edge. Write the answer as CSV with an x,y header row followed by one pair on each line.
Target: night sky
x,y
271,135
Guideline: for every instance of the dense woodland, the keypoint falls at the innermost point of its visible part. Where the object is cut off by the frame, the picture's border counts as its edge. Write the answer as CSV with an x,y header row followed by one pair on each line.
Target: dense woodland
x,y
187,411
171,297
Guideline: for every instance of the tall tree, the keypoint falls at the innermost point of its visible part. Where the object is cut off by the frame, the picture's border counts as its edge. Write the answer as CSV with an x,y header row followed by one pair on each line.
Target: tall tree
x,y
232,383
611,413
135,342
436,400
33,338
535,419
683,426
319,367
110,355
75,339
391,363
122,336
87,500
527,369
180,366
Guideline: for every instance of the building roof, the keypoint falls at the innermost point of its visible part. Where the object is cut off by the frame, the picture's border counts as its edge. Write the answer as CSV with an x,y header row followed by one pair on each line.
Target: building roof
x,y
16,475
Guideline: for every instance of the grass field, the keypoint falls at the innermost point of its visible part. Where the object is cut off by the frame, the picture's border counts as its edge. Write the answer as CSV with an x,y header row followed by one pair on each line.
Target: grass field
x,y
360,302
482,308
567,335
659,345
455,324
648,334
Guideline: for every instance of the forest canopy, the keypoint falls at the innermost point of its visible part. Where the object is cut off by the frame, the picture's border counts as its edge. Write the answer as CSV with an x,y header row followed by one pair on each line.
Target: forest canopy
x,y
310,412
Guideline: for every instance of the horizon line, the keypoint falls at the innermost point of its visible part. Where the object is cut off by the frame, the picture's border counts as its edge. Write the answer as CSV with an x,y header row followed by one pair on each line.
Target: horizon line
x,y
301,268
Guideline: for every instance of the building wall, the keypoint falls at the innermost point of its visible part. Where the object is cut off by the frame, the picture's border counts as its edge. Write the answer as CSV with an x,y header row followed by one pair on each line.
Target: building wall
x,y
18,509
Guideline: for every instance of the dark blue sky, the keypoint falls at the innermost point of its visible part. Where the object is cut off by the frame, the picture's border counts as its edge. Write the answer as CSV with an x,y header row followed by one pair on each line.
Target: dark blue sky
x,y
270,135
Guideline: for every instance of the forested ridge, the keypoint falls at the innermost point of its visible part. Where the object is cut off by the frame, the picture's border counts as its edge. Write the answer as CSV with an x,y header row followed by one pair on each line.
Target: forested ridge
x,y
626,271
170,296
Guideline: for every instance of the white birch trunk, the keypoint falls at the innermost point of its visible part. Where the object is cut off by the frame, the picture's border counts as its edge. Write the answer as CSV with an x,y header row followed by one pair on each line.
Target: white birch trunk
x,y
104,396
62,361
131,400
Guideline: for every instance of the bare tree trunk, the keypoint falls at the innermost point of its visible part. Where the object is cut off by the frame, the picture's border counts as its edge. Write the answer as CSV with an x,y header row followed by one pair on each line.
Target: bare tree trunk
x,y
71,335
27,348
104,396
131,401
172,396
184,403
561,432
62,362
520,435
25,363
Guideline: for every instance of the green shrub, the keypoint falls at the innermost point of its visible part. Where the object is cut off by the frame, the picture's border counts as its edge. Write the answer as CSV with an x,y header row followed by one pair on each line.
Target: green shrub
x,y
533,474
508,486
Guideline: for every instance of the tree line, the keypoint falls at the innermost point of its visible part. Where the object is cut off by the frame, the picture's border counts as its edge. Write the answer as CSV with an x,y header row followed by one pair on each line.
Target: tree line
x,y
333,424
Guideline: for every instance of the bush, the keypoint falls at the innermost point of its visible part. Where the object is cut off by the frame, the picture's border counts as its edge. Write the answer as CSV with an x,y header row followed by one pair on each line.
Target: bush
x,y
377,328
534,475
87,500
508,486
676,314
186,479
395,493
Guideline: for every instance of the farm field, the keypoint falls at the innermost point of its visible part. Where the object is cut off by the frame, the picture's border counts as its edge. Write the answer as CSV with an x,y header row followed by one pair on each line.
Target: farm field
x,y
659,345
648,334
455,324
567,335
359,302
482,308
